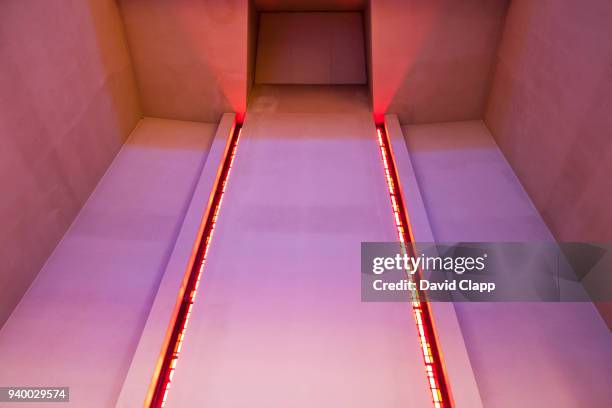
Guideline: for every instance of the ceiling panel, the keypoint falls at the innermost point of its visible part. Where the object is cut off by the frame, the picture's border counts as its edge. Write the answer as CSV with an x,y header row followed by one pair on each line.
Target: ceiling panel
x,y
310,5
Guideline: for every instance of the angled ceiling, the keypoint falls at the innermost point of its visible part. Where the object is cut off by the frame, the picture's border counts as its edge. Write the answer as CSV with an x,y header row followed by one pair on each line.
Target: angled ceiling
x,y
431,60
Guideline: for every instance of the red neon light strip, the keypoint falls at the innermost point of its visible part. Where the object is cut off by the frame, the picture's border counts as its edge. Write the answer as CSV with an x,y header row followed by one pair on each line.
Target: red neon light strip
x,y
434,369
173,352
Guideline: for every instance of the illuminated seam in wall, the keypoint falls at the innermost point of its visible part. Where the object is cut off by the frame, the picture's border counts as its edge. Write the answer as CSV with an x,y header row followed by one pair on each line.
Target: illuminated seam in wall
x,y
173,352
422,314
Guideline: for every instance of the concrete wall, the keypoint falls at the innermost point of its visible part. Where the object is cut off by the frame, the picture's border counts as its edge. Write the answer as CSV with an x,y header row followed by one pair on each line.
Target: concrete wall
x,y
311,48
253,29
551,103
68,100
81,320
190,56
527,354
550,111
432,60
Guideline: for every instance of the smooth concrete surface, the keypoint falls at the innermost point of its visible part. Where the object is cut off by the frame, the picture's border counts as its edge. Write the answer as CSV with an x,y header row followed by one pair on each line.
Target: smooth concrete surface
x,y
551,103
310,99
68,101
252,30
190,57
145,366
550,111
455,359
468,187
541,354
311,48
432,60
80,321
278,321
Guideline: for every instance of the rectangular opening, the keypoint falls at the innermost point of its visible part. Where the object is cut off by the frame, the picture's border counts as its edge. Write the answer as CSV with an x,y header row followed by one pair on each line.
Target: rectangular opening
x,y
316,48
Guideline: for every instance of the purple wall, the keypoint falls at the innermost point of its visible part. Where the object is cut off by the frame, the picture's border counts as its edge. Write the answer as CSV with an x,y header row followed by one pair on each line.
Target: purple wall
x,y
524,354
82,317
68,101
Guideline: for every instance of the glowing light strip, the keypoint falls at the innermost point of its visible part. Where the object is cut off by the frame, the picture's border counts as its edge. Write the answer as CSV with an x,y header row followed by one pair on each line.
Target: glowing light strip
x,y
173,353
422,315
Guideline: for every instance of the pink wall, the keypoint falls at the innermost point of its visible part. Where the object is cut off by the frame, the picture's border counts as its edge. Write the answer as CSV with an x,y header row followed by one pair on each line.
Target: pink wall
x,y
432,59
311,48
68,101
550,111
190,56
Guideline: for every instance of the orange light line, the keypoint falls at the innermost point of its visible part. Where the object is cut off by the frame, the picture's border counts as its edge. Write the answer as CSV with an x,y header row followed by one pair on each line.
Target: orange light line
x,y
167,373
431,356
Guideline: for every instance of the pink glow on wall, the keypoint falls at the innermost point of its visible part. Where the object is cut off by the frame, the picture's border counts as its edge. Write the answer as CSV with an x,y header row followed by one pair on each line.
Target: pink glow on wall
x,y
431,61
190,57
